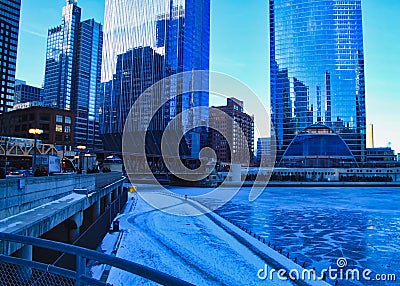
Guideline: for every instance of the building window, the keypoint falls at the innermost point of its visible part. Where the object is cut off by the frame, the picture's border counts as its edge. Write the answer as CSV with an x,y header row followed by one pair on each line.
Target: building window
x,y
59,118
67,129
67,119
59,128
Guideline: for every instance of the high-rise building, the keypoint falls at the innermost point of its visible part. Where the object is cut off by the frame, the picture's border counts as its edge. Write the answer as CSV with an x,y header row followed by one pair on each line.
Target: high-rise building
x,y
73,69
85,99
263,150
317,70
144,67
9,28
62,46
26,93
174,37
237,146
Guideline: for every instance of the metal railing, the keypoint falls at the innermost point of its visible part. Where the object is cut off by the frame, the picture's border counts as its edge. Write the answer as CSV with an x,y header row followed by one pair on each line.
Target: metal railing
x,y
18,271
104,179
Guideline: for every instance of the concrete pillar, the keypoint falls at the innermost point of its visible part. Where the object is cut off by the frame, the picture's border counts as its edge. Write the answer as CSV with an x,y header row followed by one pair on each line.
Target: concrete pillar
x,y
114,195
236,173
77,220
120,190
96,210
102,204
108,199
25,273
73,234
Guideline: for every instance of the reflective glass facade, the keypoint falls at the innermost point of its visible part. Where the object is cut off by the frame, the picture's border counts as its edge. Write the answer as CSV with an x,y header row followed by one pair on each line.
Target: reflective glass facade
x,y
317,70
318,146
73,70
173,36
9,28
136,70
85,100
61,52
26,93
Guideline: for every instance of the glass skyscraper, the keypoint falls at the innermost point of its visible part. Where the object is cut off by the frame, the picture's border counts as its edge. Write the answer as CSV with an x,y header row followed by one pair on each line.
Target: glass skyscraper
x,y
86,100
317,70
73,70
61,53
26,93
9,28
157,38
136,70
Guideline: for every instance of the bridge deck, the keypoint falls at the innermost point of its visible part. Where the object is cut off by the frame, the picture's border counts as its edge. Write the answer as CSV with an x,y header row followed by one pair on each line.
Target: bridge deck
x,y
35,222
18,223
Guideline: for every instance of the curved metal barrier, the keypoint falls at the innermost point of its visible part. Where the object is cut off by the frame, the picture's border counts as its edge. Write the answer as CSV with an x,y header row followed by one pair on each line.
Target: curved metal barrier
x,y
18,271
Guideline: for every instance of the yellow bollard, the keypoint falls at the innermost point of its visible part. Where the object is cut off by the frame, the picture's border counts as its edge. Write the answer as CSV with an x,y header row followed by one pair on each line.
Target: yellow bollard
x,y
132,189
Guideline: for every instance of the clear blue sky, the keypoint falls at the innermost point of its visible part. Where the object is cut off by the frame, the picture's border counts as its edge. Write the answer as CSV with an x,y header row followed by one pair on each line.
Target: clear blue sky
x,y
239,47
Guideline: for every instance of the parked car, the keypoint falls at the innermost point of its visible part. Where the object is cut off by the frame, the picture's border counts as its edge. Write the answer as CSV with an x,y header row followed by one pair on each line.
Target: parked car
x,y
19,173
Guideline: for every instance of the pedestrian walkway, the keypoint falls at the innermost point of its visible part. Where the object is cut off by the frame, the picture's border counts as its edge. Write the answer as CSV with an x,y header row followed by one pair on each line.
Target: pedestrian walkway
x,y
196,249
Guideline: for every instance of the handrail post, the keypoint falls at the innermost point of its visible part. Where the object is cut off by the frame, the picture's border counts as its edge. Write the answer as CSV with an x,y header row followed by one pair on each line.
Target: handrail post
x,y
80,269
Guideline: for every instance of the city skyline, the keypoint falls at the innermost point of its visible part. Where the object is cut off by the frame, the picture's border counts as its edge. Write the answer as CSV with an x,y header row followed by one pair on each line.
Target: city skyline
x,y
239,47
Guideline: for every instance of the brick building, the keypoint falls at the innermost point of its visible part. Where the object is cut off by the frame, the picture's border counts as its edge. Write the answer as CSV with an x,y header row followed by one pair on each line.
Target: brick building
x,y
239,120
57,124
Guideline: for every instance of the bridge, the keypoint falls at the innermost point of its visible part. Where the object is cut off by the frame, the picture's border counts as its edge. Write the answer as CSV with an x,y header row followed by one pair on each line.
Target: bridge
x,y
170,170
25,149
58,206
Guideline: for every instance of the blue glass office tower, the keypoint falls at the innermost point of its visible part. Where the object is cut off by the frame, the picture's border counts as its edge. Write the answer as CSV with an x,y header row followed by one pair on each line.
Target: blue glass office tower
x,y
26,93
173,36
73,70
136,70
61,53
9,29
85,99
317,70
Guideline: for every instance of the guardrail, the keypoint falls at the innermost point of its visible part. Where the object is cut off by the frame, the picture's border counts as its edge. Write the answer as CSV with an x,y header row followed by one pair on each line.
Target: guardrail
x,y
25,193
104,179
18,271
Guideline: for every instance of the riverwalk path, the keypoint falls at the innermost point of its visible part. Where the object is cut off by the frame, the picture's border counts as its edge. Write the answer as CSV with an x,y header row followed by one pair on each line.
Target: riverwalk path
x,y
202,250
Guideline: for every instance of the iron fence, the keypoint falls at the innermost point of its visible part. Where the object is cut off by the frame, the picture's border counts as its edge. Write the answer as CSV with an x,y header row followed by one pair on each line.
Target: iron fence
x,y
18,271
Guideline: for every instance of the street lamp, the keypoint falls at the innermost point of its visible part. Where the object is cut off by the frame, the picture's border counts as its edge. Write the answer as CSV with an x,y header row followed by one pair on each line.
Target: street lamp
x,y
81,148
35,132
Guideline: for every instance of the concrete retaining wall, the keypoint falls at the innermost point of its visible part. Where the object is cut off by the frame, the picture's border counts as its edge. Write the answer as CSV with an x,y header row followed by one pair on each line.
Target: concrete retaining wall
x,y
19,195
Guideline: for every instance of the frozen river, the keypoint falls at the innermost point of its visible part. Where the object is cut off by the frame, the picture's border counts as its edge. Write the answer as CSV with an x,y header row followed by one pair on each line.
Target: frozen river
x,y
320,225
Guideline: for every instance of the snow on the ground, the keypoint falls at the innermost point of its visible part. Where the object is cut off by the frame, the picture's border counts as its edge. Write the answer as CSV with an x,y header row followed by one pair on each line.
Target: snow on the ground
x,y
191,248
107,247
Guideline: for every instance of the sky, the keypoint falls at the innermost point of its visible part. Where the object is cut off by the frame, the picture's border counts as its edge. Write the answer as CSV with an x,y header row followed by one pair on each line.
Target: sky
x,y
240,48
